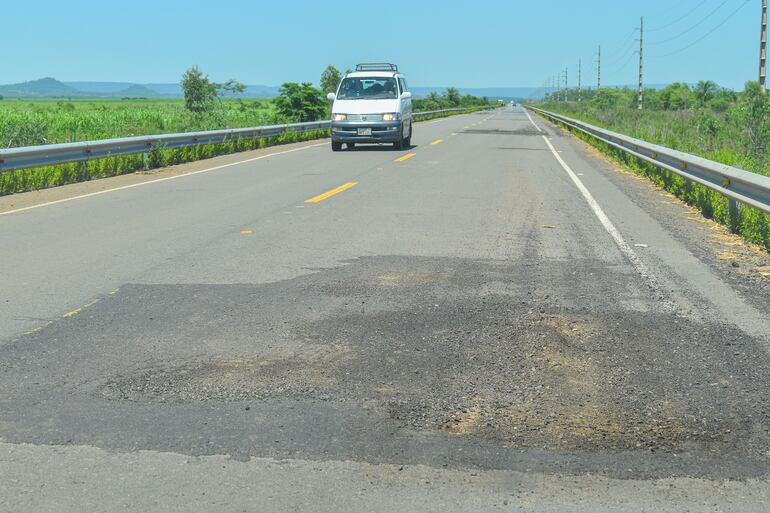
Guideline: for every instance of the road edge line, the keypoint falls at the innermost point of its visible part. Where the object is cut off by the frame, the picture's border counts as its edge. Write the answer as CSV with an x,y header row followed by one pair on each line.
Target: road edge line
x,y
164,179
532,120
624,247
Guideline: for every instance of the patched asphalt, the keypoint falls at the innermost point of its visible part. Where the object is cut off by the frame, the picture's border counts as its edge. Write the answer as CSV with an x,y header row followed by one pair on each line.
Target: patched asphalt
x,y
435,361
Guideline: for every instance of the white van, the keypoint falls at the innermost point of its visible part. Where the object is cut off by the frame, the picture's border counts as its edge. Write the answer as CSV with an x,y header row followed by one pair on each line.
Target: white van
x,y
372,105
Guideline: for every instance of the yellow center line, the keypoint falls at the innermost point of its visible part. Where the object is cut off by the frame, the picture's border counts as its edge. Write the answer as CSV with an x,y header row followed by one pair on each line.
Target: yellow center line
x,y
39,328
331,193
437,141
405,157
78,310
72,313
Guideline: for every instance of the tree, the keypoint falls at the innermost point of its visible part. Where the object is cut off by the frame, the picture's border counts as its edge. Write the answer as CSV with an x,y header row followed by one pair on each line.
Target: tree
x,y
230,87
705,91
607,98
675,96
753,117
452,95
199,91
330,79
300,102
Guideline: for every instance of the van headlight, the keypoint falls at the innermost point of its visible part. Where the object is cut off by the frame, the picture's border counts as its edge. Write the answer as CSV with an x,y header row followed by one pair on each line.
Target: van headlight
x,y
340,117
391,116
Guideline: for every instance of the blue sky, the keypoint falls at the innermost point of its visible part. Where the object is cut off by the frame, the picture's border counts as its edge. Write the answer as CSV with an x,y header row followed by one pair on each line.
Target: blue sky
x,y
485,43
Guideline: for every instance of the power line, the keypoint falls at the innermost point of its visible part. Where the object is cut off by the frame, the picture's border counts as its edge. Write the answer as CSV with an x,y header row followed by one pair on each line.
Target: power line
x,y
707,34
624,54
698,24
618,64
671,24
625,40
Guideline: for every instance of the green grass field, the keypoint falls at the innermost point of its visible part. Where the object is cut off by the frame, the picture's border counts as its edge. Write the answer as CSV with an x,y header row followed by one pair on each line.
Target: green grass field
x,y
32,122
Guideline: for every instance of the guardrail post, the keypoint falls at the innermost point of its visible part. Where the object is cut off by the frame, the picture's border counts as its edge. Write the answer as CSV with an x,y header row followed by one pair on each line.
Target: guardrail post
x,y
734,212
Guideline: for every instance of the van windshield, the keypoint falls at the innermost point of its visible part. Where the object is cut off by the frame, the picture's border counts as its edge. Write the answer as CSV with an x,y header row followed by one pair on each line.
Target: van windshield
x,y
368,88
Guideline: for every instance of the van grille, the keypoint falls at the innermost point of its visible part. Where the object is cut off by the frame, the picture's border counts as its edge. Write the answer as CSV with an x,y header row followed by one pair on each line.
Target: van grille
x,y
364,117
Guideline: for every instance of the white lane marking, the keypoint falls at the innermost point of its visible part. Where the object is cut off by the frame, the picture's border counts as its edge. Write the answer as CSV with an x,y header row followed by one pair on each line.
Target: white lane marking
x,y
439,120
82,196
629,253
532,121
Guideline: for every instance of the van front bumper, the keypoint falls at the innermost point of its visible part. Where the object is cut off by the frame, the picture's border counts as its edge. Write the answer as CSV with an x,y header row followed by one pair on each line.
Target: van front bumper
x,y
382,131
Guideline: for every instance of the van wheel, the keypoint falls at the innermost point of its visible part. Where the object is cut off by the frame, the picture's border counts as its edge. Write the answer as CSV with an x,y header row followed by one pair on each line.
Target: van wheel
x,y
408,140
336,146
351,146
399,145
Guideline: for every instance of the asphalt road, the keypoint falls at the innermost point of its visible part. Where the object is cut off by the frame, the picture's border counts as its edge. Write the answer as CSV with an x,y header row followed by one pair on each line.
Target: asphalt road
x,y
495,319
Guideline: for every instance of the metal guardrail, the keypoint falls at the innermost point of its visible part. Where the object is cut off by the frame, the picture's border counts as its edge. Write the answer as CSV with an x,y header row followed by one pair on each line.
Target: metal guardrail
x,y
51,154
737,184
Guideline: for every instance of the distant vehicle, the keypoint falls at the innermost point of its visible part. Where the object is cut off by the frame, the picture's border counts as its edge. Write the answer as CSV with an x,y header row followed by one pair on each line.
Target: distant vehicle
x,y
372,105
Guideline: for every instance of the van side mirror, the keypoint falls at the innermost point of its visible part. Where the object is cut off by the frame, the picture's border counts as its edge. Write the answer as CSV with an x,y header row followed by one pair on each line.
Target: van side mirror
x,y
406,95
331,97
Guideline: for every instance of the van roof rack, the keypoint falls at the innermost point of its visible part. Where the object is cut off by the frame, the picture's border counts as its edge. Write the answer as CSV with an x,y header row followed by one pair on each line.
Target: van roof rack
x,y
376,66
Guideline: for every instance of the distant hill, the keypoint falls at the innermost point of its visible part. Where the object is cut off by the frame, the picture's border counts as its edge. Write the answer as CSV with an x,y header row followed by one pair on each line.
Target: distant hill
x,y
102,88
136,91
52,88
42,88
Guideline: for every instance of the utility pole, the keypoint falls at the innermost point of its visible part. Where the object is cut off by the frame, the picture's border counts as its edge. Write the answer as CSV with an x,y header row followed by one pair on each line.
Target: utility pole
x,y
566,83
641,63
550,89
555,89
580,76
599,70
763,48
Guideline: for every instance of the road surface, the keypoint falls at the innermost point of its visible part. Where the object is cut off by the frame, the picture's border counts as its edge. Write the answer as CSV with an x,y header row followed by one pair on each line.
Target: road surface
x,y
495,319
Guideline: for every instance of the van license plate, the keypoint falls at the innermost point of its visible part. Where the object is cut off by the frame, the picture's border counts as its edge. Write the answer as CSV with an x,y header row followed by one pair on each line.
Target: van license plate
x,y
364,131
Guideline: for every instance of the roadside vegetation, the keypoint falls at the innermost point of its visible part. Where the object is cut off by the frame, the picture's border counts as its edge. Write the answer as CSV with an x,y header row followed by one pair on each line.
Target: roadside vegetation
x,y
715,123
206,105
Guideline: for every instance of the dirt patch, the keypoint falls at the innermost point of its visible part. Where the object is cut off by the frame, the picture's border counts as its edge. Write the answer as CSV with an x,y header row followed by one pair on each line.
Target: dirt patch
x,y
568,327
463,422
234,379
408,279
